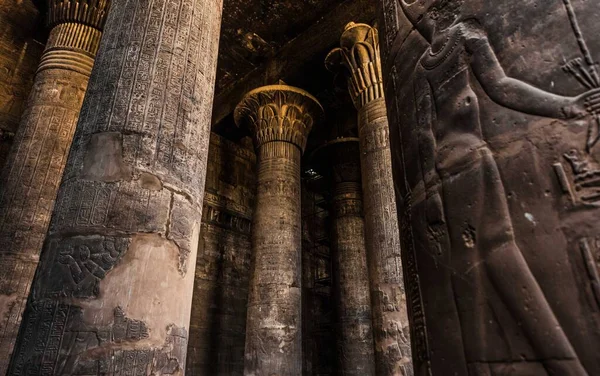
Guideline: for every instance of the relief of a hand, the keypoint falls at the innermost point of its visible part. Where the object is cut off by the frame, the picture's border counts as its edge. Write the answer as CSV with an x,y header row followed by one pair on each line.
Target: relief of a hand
x,y
586,104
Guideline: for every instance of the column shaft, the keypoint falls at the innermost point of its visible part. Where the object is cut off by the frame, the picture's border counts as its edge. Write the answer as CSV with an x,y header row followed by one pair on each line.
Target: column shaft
x,y
113,290
390,318
30,179
273,329
280,118
359,55
355,332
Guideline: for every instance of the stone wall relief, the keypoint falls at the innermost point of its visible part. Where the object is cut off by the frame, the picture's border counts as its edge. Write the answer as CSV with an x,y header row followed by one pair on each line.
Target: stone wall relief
x,y
461,182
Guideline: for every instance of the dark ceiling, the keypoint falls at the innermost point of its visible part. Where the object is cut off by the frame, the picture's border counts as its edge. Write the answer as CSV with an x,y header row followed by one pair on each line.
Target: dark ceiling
x,y
254,30
263,41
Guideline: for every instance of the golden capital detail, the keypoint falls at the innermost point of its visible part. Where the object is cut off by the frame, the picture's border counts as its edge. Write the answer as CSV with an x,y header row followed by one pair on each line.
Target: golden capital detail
x,y
279,113
359,56
91,13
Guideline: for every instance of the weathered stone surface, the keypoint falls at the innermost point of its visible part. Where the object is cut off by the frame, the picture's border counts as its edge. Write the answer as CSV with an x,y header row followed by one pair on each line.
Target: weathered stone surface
x,y
351,278
493,129
280,118
19,57
359,54
29,181
125,229
218,319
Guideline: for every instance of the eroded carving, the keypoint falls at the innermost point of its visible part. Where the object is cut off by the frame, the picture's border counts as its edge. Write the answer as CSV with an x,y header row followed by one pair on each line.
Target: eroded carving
x,y
71,346
88,261
225,219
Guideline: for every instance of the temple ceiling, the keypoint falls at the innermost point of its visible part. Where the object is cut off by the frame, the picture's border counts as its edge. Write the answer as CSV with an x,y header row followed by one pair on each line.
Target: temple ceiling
x,y
264,41
255,30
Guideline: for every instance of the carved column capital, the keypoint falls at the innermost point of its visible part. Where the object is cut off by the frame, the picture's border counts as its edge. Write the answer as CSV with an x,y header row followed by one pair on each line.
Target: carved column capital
x,y
359,56
279,113
91,13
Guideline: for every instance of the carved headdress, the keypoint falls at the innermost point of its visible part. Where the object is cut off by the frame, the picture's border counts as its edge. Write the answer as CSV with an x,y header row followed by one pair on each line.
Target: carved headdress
x,y
416,9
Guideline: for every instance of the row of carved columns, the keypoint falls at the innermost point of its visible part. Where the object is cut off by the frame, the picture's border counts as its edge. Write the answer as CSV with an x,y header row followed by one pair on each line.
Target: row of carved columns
x,y
359,59
371,316
492,140
115,241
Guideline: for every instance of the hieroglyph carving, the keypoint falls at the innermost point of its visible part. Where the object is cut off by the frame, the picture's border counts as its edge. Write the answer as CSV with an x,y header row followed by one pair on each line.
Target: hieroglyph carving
x,y
583,187
225,219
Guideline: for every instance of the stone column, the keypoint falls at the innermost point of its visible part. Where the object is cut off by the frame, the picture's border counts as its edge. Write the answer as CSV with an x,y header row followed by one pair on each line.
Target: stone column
x,y
29,181
349,255
280,118
359,54
113,290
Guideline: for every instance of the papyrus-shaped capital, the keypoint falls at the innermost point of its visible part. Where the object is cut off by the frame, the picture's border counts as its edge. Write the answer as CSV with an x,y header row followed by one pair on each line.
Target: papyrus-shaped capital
x,y
279,113
359,57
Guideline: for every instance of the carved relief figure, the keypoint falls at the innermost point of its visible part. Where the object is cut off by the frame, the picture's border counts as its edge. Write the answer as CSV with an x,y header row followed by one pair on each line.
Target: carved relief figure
x,y
493,286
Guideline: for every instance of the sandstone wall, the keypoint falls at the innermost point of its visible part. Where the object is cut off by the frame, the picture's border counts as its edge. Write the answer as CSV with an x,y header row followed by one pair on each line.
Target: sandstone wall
x,y
19,56
319,349
217,330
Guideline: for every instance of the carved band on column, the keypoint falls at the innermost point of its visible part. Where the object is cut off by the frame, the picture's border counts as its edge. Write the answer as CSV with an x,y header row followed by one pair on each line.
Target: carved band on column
x,y
347,199
280,118
359,57
30,178
76,30
71,46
